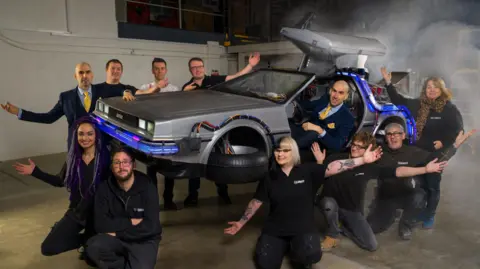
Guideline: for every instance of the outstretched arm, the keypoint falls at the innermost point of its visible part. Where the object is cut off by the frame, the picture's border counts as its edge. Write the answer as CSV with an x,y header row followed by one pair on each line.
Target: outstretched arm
x,y
431,167
251,209
339,166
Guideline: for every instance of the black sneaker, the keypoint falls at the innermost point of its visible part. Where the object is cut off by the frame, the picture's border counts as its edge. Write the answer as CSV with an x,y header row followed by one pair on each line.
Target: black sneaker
x,y
405,233
190,201
170,206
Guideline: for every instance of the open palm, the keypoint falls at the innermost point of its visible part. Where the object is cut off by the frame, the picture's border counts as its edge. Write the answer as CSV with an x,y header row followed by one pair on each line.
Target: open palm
x,y
462,137
371,156
234,228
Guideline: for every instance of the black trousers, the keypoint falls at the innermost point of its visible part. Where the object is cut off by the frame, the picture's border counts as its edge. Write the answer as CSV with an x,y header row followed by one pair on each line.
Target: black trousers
x,y
383,213
270,250
66,235
109,252
432,189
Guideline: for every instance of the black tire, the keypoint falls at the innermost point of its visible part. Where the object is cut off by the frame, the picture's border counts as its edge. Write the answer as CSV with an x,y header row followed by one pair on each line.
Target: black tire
x,y
237,168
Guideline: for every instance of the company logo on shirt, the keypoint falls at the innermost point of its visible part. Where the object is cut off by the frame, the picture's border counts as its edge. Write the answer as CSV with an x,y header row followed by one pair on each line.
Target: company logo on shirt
x,y
436,118
138,209
402,163
299,182
359,174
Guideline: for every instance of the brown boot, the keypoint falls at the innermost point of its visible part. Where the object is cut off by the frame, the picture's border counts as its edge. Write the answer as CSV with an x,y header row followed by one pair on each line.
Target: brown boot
x,y
329,243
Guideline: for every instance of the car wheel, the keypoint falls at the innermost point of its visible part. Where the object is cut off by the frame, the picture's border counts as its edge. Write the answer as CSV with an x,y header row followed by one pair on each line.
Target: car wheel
x,y
247,165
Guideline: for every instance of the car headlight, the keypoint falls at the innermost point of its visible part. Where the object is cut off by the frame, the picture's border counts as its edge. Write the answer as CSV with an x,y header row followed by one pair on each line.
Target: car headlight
x,y
142,124
150,127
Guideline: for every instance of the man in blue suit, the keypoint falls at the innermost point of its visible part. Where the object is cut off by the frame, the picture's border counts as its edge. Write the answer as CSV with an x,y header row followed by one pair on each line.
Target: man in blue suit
x,y
74,103
331,122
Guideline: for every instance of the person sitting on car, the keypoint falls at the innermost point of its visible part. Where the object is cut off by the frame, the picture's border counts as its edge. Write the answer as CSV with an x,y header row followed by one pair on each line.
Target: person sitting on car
x,y
330,123
438,121
342,198
200,80
393,194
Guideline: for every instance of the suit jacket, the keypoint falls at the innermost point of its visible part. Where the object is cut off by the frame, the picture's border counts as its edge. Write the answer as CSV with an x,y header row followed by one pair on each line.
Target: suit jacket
x,y
338,126
70,106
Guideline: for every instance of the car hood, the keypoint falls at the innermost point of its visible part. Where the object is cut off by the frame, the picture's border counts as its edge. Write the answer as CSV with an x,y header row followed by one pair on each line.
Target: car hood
x,y
173,105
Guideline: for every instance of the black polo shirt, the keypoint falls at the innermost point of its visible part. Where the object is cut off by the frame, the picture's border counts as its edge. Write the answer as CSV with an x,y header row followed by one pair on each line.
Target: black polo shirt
x,y
291,199
208,81
348,188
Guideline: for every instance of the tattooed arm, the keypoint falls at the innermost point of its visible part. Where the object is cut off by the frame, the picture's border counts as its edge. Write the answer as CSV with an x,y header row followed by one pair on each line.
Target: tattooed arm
x,y
252,208
337,167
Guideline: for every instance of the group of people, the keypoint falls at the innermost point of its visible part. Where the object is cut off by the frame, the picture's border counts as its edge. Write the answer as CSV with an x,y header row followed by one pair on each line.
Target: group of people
x,y
408,176
113,215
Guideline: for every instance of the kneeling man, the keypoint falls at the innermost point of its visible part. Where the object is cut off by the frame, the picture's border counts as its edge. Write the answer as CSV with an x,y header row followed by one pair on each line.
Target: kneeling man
x,y
126,218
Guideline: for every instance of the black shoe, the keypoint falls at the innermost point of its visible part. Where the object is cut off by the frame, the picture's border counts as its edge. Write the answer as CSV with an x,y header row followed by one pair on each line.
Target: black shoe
x,y
170,206
190,201
224,199
81,251
405,233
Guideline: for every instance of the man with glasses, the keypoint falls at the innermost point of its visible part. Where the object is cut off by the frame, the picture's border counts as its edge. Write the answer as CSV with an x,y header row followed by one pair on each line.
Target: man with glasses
x,y
342,198
200,80
330,124
161,85
406,194
126,218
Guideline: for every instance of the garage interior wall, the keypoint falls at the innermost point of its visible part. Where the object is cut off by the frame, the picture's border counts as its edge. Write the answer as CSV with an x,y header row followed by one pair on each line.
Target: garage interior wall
x,y
39,47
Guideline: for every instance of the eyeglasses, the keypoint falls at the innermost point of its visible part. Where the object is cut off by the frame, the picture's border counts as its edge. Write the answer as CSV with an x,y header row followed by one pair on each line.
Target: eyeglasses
x,y
394,134
358,146
123,163
196,67
282,150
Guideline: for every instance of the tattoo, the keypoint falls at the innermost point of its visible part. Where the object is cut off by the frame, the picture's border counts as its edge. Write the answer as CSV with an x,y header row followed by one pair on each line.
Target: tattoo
x,y
251,208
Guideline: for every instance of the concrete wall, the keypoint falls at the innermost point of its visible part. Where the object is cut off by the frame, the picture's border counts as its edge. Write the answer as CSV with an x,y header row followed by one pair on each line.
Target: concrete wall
x,y
40,43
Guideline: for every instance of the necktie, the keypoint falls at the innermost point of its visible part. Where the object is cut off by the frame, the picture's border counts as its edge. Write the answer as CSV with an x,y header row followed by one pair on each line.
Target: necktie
x,y
324,114
87,102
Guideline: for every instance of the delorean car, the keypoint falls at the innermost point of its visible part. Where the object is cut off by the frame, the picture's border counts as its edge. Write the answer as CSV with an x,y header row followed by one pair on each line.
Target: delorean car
x,y
226,133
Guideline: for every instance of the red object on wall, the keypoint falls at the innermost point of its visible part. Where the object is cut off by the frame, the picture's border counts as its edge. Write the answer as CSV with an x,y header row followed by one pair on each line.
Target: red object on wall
x,y
138,13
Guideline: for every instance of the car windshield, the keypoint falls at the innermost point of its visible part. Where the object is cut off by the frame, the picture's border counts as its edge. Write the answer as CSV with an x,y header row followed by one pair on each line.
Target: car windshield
x,y
274,85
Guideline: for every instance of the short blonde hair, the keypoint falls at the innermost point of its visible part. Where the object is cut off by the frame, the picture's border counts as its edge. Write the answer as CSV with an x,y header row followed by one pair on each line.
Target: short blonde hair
x,y
438,83
288,141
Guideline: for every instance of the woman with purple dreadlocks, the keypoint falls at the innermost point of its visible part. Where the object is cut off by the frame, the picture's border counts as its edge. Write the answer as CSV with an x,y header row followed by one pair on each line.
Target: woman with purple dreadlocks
x,y
87,165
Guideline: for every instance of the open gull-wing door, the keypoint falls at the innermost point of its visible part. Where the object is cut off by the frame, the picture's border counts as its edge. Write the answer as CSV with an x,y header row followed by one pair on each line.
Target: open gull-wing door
x,y
328,47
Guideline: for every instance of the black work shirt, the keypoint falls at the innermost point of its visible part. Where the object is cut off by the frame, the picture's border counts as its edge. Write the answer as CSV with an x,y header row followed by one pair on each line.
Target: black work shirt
x,y
291,199
348,188
207,82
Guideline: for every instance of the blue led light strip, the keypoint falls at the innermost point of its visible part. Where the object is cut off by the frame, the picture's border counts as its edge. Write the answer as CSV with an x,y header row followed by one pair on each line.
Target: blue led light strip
x,y
134,141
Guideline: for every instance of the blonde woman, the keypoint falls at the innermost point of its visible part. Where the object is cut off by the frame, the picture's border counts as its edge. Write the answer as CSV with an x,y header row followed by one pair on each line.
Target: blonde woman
x,y
438,123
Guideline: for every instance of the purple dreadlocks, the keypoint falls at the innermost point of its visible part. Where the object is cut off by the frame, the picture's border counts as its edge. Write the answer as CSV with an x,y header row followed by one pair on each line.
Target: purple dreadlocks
x,y
74,178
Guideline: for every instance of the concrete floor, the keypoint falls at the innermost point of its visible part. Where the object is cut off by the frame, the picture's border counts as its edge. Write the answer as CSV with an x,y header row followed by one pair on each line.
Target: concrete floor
x,y
193,238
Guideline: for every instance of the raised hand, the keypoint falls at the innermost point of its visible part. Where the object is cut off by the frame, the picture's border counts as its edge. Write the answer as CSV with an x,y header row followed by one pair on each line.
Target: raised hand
x,y
12,109
254,59
371,156
319,155
234,228
387,76
25,169
435,167
462,137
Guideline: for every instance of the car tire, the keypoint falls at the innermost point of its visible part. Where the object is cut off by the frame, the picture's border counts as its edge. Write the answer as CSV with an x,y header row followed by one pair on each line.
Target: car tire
x,y
237,168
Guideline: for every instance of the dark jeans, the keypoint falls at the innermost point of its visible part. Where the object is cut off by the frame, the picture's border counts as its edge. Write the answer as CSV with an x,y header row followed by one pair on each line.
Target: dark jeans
x,y
432,189
108,252
355,226
169,184
194,186
304,249
65,236
383,213
303,138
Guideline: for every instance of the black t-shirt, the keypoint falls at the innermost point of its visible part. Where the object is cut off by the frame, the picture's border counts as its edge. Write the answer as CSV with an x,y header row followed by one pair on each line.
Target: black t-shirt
x,y
207,82
348,188
117,88
291,199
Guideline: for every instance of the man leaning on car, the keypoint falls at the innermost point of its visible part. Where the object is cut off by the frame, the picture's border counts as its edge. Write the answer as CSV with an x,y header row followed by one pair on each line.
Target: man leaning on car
x,y
200,80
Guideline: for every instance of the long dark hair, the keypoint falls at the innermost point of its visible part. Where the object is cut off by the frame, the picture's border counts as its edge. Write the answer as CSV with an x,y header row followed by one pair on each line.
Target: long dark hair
x,y
74,178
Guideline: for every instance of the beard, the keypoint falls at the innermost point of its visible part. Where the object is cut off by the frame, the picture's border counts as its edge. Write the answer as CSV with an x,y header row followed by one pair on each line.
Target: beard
x,y
123,178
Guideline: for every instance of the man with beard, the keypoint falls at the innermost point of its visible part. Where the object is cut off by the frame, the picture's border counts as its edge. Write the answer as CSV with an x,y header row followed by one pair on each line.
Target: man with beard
x,y
126,218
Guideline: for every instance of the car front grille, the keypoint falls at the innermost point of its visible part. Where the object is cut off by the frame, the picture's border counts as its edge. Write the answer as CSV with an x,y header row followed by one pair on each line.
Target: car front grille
x,y
128,119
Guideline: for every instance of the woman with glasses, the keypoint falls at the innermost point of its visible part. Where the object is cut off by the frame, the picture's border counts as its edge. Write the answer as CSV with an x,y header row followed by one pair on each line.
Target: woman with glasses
x,y
87,165
290,189
438,122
